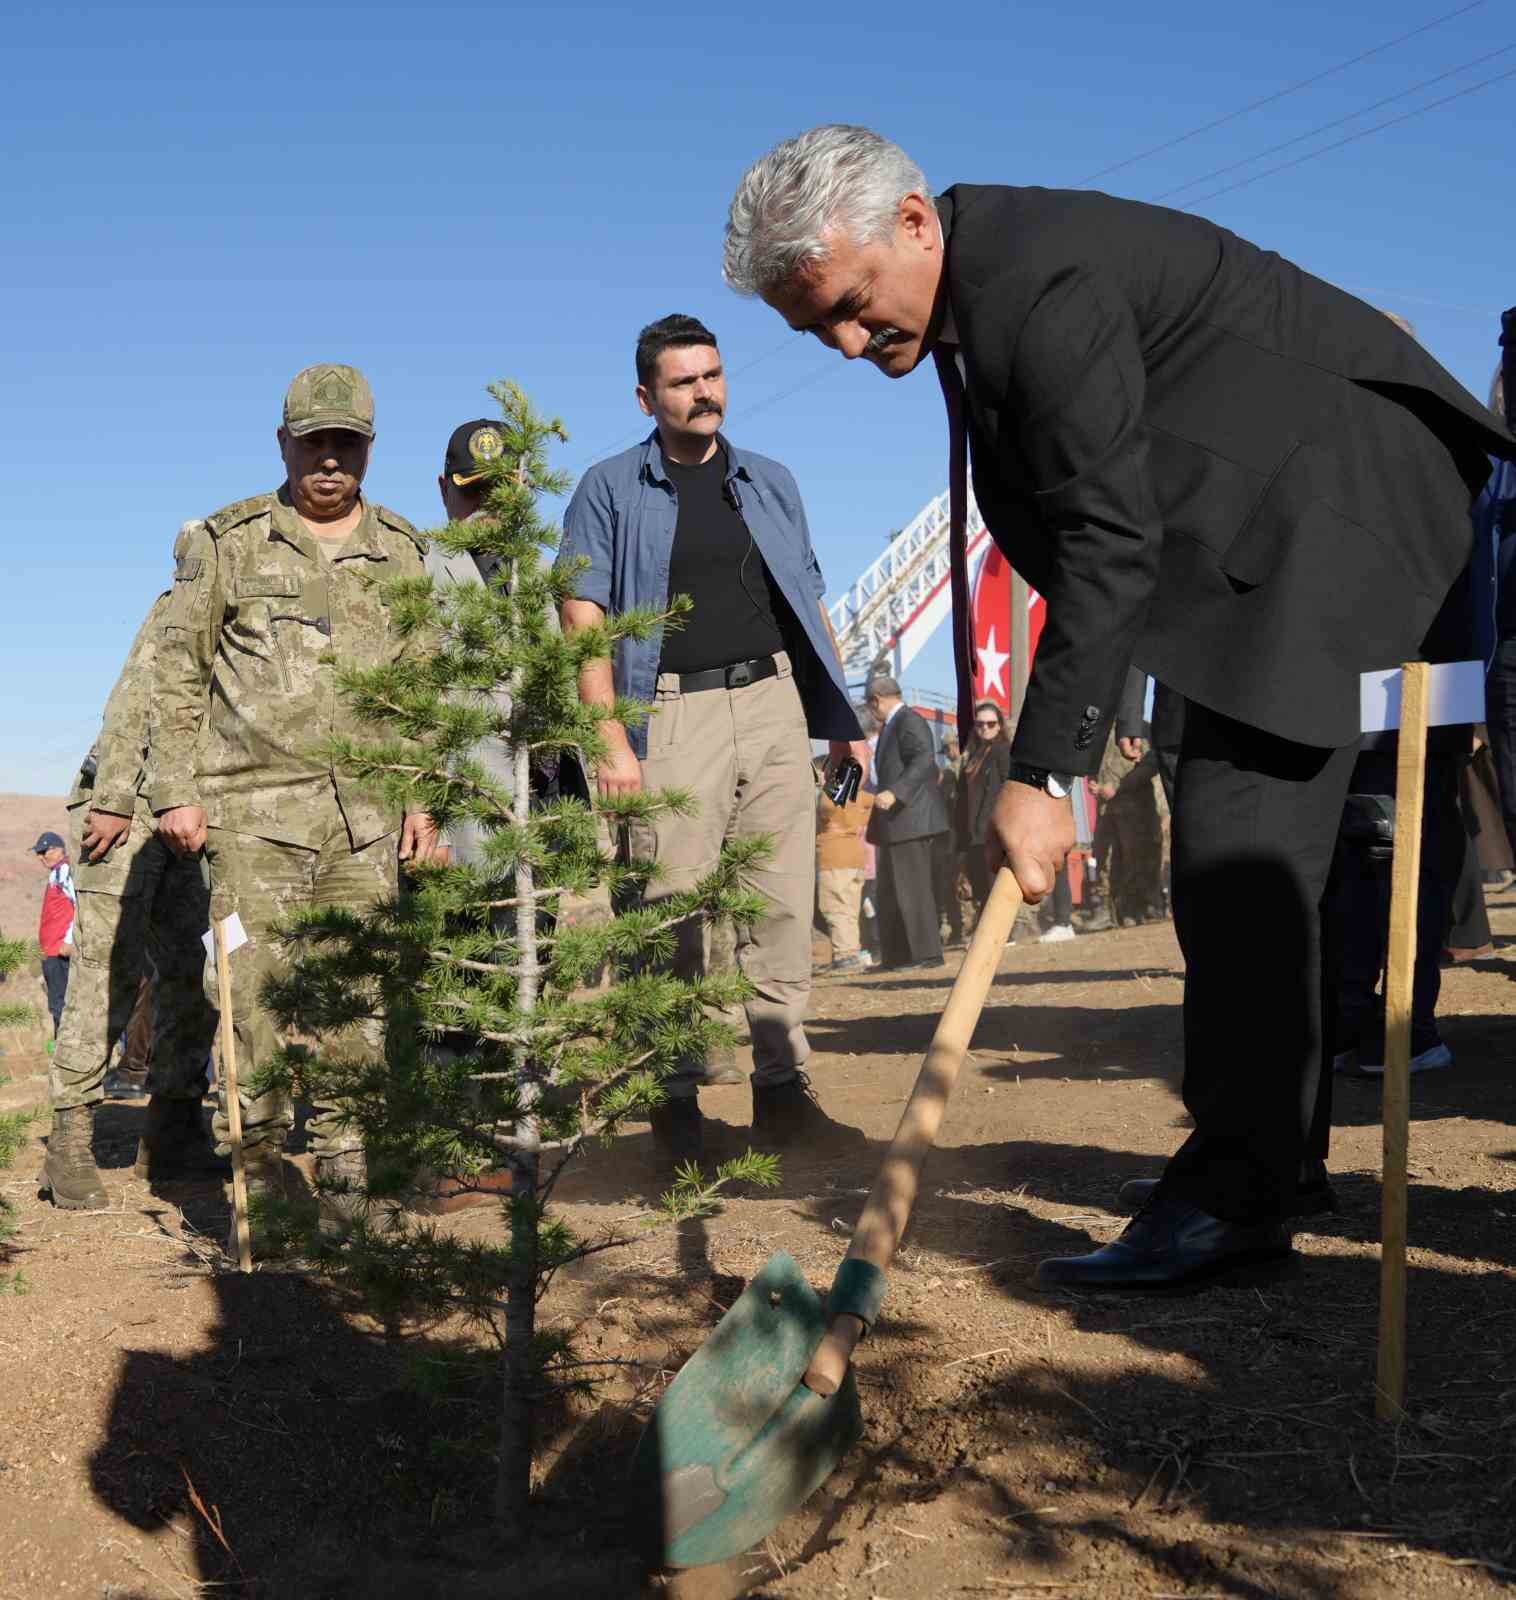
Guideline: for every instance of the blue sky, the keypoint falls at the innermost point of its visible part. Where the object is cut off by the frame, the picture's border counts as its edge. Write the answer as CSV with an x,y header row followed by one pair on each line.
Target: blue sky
x,y
196,201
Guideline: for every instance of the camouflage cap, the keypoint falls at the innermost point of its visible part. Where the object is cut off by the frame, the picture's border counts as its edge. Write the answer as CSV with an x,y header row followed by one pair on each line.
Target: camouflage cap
x,y
329,396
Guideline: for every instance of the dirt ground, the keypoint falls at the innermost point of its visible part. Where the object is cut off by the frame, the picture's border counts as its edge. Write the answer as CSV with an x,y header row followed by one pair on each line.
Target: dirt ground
x,y
170,1428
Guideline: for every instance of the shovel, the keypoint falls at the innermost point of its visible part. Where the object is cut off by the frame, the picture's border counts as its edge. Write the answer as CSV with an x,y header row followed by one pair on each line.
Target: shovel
x,y
765,1409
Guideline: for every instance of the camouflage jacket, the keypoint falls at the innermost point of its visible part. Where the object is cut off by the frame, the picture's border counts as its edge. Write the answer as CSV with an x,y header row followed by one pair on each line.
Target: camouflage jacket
x,y
112,772
244,683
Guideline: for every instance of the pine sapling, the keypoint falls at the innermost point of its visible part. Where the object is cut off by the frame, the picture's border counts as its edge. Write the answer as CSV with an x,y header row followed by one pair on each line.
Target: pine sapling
x,y
466,1027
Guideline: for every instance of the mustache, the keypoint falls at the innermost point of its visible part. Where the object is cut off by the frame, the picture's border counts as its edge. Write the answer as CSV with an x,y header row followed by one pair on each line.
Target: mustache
x,y
882,340
705,408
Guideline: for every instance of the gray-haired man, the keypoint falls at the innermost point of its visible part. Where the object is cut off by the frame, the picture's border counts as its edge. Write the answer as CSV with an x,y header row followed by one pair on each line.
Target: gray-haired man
x,y
1215,466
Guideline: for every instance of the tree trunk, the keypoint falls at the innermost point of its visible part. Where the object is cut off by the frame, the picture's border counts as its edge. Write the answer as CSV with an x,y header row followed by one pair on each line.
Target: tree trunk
x,y
514,1486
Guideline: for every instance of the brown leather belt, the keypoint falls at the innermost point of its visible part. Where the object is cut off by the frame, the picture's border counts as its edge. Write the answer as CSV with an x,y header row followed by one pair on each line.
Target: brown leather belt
x,y
737,676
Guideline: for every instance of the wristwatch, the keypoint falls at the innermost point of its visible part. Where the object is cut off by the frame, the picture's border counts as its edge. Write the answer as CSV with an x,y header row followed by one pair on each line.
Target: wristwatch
x,y
1056,784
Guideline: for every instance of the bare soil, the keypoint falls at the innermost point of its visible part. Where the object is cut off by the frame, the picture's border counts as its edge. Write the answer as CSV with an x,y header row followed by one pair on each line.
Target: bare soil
x,y
170,1428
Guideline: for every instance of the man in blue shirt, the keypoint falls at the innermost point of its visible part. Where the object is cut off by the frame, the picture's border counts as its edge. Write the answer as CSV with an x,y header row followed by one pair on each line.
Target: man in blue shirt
x,y
738,691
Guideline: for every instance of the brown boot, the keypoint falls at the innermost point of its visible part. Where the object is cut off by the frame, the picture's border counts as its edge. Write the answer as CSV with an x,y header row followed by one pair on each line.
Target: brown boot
x,y
342,1181
173,1142
263,1168
678,1131
789,1113
720,1067
69,1174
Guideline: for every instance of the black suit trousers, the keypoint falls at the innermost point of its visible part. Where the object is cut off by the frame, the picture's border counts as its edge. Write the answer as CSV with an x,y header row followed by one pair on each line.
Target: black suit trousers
x,y
1500,715
908,925
1255,825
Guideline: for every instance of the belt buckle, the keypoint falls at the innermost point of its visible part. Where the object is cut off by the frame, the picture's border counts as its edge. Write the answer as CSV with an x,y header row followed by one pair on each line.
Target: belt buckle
x,y
740,675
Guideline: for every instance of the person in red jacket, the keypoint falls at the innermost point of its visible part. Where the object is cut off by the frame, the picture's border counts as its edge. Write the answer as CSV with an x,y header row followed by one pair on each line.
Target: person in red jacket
x,y
55,933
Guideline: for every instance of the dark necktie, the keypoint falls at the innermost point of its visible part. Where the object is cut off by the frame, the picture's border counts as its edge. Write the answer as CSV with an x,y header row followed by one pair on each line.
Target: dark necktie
x,y
964,655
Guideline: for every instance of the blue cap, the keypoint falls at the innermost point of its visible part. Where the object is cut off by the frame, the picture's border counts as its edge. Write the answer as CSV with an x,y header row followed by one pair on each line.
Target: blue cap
x,y
48,841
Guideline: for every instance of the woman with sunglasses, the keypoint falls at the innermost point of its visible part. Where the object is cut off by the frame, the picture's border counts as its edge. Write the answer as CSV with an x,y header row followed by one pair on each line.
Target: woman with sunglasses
x,y
985,769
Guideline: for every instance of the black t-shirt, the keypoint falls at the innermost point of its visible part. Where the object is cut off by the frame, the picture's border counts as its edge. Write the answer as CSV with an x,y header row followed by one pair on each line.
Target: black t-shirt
x,y
716,563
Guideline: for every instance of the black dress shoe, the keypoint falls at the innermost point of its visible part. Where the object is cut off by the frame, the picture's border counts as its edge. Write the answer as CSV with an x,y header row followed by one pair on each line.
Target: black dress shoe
x,y
1315,1197
1168,1243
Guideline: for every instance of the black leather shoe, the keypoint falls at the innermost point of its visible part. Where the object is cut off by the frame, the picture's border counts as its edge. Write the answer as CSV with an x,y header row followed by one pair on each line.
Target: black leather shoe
x,y
1315,1196
1166,1244
679,1130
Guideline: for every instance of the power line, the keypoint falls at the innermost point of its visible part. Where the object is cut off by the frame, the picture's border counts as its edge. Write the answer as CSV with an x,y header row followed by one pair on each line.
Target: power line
x,y
1169,144
1336,122
1394,295
1337,144
1279,94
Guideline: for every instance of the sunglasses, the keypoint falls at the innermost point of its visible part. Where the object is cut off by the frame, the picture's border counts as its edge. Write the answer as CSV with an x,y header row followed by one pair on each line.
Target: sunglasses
x,y
991,722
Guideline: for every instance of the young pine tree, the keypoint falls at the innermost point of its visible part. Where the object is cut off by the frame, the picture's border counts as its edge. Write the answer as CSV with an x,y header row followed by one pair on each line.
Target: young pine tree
x,y
463,1027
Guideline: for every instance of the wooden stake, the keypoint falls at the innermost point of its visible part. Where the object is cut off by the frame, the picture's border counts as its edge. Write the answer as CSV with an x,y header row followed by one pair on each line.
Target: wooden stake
x,y
233,1104
1410,785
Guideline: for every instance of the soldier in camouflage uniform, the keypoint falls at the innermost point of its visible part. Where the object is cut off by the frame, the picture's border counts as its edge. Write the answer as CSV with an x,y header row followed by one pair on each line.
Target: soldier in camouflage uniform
x,y
137,901
268,592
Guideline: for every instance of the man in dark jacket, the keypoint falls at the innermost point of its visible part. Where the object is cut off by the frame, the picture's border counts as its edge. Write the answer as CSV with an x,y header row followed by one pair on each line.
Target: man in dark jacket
x,y
907,818
1223,470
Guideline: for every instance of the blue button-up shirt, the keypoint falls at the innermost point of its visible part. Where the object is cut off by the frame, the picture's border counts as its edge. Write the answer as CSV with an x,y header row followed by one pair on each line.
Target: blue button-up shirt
x,y
621,521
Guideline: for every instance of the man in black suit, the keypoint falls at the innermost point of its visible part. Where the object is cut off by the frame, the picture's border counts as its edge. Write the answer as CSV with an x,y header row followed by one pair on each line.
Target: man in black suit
x,y
1223,470
907,819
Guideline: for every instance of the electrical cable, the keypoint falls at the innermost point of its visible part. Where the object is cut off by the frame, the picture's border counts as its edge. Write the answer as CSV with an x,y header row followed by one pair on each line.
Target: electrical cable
x,y
1279,94
1337,144
1337,122
1169,144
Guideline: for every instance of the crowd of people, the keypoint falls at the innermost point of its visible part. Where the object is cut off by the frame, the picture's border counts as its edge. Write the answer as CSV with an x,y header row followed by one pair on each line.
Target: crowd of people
x,y
1238,489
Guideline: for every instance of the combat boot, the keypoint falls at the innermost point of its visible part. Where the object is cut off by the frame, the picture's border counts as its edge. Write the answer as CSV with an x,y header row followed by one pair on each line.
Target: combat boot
x,y
263,1170
69,1174
788,1113
342,1182
173,1143
720,1067
679,1131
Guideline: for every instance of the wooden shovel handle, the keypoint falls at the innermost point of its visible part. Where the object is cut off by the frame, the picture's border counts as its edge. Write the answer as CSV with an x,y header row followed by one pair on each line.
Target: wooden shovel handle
x,y
889,1205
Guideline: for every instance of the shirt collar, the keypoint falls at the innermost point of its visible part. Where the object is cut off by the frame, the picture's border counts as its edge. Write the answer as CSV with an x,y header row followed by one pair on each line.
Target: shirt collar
x,y
364,540
655,470
947,327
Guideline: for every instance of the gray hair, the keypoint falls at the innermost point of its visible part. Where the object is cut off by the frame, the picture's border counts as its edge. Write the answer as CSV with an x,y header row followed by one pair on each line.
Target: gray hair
x,y
882,686
835,177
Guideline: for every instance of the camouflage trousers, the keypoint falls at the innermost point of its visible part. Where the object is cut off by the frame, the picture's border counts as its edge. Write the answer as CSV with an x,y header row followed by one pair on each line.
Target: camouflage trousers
x,y
264,882
1131,840
142,904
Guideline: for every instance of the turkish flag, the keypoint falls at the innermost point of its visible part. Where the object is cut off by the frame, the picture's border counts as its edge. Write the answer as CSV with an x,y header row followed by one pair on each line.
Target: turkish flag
x,y
992,628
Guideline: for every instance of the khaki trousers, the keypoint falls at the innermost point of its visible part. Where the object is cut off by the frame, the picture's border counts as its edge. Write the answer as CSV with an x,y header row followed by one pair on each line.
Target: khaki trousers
x,y
264,882
840,893
746,757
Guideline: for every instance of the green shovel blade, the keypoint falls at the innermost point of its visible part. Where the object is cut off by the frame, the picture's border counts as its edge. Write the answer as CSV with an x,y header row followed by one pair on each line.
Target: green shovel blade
x,y
737,1441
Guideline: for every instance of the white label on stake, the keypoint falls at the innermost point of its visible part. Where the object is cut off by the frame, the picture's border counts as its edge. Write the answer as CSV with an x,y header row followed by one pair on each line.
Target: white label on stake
x,y
1455,693
236,937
